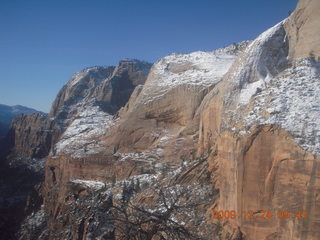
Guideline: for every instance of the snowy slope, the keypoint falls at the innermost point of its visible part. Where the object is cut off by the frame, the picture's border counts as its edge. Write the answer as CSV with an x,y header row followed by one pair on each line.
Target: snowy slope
x,y
81,138
194,69
292,101
266,87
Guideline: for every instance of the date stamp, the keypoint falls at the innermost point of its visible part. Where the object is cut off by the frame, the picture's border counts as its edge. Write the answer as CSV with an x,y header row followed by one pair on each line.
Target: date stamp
x,y
258,215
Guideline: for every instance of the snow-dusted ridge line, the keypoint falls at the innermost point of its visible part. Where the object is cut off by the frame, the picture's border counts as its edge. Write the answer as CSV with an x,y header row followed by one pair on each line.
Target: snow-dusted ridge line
x,y
268,88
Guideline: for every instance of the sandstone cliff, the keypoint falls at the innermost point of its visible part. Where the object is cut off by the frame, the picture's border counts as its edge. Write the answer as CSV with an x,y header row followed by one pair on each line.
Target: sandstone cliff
x,y
262,122
7,113
303,30
85,104
153,137
31,137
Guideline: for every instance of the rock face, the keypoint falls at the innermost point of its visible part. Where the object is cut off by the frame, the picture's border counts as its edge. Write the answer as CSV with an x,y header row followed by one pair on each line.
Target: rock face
x,y
31,137
267,171
84,107
303,30
7,113
107,87
86,104
262,122
153,133
171,95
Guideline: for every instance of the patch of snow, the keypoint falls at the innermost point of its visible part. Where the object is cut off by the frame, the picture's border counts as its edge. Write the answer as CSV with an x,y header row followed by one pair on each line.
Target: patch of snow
x,y
195,69
33,164
267,89
258,63
81,137
92,184
292,101
198,68
249,91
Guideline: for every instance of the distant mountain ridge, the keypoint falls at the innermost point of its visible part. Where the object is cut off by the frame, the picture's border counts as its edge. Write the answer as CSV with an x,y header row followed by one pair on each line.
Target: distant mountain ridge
x,y
7,113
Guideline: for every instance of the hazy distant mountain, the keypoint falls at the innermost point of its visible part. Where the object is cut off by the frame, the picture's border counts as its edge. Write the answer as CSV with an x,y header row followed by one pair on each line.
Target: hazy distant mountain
x,y
7,113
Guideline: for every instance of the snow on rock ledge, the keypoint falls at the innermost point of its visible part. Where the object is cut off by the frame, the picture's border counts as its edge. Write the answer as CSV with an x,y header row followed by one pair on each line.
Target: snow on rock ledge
x,y
82,136
91,184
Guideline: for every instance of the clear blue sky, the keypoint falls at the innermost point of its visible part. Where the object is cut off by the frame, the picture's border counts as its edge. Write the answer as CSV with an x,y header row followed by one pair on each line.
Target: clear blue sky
x,y
43,42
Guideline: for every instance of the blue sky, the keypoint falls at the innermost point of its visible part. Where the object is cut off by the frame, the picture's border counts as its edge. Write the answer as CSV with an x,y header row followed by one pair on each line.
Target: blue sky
x,y
42,43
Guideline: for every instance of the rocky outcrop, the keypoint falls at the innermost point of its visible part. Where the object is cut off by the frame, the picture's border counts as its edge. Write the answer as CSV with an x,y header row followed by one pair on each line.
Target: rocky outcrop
x,y
261,122
302,28
171,95
31,137
107,87
86,104
7,113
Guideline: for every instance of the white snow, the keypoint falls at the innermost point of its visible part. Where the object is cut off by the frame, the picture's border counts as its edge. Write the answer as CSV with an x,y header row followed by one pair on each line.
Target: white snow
x,y
92,184
288,97
249,91
195,69
251,71
34,221
81,138
78,76
292,101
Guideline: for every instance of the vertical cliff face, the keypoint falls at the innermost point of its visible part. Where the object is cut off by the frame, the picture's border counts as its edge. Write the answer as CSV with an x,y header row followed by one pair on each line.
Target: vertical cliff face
x,y
31,137
262,122
24,151
302,28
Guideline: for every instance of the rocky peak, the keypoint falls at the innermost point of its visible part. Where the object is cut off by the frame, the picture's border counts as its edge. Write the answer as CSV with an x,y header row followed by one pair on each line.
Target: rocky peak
x,y
234,48
108,87
87,112
79,88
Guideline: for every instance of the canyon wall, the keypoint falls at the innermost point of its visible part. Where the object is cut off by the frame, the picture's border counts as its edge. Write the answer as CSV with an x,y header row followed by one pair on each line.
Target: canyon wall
x,y
262,122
